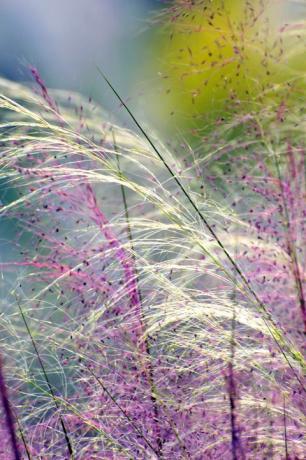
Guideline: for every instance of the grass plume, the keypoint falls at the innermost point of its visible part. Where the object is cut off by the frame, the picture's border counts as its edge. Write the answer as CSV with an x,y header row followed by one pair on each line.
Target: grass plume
x,y
127,253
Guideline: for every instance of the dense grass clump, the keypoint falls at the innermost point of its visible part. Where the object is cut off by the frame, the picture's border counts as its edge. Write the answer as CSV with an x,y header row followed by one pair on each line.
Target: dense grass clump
x,y
142,326
153,302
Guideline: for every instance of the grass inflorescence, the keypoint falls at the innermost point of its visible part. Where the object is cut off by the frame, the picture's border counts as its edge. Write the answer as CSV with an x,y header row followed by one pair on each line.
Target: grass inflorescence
x,y
153,300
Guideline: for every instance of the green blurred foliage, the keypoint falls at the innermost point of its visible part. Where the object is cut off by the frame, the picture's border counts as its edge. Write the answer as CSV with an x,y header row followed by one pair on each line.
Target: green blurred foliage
x,y
217,57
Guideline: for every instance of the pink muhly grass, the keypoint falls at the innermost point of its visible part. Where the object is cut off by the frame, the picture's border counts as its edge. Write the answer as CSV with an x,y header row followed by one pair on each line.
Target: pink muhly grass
x,y
128,341
44,92
132,308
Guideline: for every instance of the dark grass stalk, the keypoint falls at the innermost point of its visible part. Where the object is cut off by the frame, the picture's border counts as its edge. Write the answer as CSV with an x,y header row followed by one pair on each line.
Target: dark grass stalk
x,y
234,264
51,392
285,430
150,376
23,438
232,392
235,439
135,427
290,244
9,419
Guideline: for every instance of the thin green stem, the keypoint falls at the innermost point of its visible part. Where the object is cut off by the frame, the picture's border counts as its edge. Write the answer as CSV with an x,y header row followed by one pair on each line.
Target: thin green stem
x,y
67,438
22,435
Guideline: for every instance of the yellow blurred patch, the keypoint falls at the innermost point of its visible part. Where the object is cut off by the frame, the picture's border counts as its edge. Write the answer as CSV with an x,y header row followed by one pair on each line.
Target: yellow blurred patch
x,y
217,55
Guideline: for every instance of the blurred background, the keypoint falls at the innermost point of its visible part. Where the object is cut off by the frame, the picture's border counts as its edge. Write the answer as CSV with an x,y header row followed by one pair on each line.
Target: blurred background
x,y
67,39
167,70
